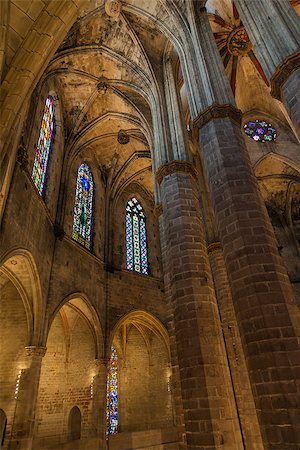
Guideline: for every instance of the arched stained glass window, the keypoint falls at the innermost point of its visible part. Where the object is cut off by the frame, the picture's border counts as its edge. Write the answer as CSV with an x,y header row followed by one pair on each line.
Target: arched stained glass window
x,y
43,147
136,237
112,410
83,209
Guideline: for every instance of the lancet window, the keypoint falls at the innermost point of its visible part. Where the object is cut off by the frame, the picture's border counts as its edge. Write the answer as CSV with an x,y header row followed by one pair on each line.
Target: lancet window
x,y
83,208
112,409
136,238
43,147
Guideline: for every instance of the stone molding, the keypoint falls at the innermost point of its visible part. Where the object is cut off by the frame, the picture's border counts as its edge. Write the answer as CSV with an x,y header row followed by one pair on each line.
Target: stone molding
x,y
123,137
158,210
282,73
102,85
33,350
217,111
173,167
22,157
213,247
58,231
113,8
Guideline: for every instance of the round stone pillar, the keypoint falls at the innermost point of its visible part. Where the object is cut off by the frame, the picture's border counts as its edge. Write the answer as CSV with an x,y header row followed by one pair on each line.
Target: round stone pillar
x,y
26,399
203,369
262,294
261,291
239,374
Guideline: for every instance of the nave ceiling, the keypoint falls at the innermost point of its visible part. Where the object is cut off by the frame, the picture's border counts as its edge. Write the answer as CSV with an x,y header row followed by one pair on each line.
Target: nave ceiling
x,y
109,69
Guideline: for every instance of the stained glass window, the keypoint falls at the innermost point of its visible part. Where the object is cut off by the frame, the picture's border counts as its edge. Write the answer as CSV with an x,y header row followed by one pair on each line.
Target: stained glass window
x,y
260,131
136,237
43,147
112,413
83,209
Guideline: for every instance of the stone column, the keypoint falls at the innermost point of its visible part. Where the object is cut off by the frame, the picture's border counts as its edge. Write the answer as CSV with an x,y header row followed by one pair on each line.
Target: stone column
x,y
274,30
260,286
261,291
24,419
175,384
98,412
203,369
236,359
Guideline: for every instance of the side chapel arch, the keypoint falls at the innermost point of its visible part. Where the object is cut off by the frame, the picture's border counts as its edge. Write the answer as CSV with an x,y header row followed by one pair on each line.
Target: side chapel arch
x,y
141,370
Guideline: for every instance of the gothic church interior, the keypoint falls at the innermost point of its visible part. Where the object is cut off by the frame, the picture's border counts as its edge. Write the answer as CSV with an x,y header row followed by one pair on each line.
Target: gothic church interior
x,y
150,224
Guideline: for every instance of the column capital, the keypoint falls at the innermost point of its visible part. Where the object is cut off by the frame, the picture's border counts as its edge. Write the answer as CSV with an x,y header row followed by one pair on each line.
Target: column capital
x,y
217,111
283,72
34,350
172,167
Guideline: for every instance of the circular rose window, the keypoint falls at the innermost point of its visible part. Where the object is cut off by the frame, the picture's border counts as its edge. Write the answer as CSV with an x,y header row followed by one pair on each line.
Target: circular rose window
x,y
260,131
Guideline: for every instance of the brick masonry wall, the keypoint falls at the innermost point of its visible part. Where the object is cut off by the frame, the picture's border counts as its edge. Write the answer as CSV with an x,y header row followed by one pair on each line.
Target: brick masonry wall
x,y
145,401
13,338
66,375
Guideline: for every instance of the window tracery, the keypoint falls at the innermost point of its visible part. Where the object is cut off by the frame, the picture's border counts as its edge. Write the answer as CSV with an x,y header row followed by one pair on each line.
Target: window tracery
x,y
83,208
43,147
260,131
136,238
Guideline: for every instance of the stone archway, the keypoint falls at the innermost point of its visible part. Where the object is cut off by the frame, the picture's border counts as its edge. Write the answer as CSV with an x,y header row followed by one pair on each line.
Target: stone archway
x,y
142,346
67,374
74,424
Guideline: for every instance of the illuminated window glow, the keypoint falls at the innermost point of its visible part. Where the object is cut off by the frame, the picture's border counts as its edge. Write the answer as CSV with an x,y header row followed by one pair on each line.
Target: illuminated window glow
x,y
136,238
83,209
260,131
43,148
112,412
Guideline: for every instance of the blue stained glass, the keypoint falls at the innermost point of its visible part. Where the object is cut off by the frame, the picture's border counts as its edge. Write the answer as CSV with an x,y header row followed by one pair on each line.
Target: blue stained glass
x,y
85,184
143,241
260,131
83,208
129,241
112,409
43,147
136,238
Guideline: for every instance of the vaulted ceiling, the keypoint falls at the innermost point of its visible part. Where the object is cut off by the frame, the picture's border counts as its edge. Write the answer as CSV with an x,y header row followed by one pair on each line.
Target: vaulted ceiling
x,y
109,68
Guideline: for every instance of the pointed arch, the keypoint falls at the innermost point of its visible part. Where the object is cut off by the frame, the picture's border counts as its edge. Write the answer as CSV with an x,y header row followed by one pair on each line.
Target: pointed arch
x,y
136,238
81,304
285,161
83,208
147,320
20,267
74,423
43,148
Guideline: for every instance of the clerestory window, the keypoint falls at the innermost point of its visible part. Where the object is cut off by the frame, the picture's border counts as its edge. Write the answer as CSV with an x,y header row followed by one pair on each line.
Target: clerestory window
x,y
136,237
43,147
83,208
